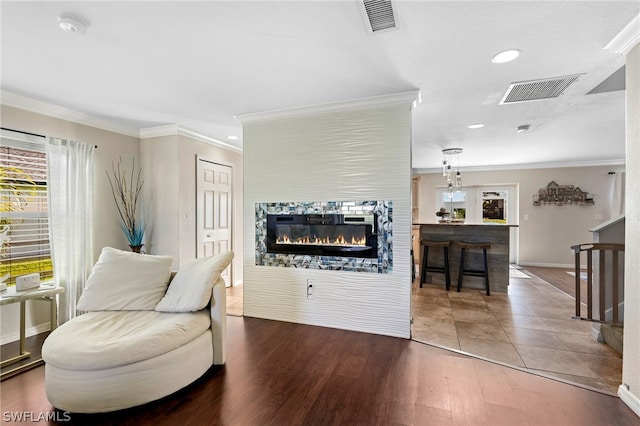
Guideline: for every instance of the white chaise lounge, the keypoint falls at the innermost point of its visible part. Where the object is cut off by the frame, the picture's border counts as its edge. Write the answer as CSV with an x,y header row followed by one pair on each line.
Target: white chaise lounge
x,y
138,340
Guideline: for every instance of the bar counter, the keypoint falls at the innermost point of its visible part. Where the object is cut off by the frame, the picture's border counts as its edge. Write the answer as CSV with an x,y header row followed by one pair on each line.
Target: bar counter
x,y
498,254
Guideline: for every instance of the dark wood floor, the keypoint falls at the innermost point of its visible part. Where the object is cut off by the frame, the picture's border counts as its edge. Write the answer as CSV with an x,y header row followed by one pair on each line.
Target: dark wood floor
x,y
561,279
33,345
290,374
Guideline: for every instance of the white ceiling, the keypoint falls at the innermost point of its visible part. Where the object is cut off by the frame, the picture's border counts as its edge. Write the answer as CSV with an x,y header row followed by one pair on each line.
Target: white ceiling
x,y
200,64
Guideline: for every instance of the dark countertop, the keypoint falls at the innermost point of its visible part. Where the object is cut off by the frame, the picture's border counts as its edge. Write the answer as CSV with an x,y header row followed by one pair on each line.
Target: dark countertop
x,y
466,224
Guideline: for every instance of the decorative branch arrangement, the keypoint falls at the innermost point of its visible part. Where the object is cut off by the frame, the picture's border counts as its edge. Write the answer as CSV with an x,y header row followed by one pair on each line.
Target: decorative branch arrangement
x,y
125,194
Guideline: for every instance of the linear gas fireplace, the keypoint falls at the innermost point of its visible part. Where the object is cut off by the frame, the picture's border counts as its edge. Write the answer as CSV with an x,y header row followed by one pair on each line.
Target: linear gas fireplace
x,y
354,236
323,234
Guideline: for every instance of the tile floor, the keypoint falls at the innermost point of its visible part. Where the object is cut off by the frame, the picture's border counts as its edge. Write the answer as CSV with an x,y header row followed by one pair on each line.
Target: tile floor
x,y
530,327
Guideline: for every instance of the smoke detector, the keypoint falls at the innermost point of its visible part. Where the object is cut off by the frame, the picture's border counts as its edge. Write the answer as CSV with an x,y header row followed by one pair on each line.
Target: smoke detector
x,y
72,25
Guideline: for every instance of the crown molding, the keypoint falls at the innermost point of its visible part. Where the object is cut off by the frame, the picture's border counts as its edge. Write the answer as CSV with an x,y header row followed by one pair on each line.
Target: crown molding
x,y
627,38
56,111
375,101
524,166
158,131
177,130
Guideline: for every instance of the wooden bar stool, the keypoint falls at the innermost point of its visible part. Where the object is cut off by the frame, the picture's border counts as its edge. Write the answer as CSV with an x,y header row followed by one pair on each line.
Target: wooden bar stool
x,y
474,272
425,260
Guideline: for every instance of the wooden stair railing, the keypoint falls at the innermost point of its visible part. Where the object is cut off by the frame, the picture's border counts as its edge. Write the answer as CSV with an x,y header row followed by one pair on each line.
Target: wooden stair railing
x,y
607,283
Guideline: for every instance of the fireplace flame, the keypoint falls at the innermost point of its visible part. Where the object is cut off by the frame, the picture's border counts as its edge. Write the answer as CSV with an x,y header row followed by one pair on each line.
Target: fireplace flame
x,y
324,241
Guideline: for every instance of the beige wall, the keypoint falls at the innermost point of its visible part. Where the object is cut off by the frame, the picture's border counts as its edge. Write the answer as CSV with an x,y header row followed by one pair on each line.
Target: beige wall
x,y
170,168
189,151
169,195
111,146
545,238
161,170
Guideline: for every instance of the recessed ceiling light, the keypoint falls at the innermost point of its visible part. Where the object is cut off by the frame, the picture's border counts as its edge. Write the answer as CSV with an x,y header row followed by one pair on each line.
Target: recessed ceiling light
x,y
523,128
232,138
72,25
505,56
476,126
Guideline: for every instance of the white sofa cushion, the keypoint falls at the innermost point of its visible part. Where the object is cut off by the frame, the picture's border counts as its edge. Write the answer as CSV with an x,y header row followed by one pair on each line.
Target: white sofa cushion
x,y
190,289
110,339
117,388
123,280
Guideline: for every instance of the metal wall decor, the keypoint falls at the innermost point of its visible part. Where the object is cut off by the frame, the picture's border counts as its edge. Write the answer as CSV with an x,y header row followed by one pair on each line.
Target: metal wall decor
x,y
561,195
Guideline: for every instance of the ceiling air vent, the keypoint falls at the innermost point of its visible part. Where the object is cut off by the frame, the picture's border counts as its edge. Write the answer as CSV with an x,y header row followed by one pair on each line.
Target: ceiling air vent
x,y
379,14
546,88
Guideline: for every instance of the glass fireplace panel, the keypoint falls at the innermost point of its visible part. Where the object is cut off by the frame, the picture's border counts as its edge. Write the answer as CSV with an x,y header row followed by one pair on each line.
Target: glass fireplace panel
x,y
330,235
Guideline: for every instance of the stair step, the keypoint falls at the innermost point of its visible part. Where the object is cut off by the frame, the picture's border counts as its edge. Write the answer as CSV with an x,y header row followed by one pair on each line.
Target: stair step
x,y
612,335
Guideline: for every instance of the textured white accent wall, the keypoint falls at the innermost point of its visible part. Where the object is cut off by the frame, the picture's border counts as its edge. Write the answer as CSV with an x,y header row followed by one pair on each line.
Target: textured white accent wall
x,y
631,355
332,156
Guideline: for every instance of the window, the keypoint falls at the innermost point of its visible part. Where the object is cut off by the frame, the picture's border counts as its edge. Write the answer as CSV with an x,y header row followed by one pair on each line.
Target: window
x,y
24,221
494,207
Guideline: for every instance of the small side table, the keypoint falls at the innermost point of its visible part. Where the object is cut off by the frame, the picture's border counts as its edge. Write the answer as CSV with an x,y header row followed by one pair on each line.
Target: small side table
x,y
9,296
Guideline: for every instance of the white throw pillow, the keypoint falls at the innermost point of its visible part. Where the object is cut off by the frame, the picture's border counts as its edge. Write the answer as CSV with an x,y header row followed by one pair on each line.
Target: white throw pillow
x,y
126,281
190,289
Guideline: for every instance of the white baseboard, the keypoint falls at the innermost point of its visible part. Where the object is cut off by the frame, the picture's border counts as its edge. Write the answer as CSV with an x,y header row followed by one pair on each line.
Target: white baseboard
x,y
238,282
630,399
548,265
31,331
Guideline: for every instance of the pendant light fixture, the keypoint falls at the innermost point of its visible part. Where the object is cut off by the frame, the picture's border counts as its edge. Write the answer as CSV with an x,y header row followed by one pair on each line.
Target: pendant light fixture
x,y
454,180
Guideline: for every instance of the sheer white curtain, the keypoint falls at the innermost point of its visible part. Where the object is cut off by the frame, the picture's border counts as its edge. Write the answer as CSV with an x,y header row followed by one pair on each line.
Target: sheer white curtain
x,y
70,180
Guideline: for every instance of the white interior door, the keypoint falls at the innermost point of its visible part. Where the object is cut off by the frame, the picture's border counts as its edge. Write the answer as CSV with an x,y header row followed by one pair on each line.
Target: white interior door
x,y
214,210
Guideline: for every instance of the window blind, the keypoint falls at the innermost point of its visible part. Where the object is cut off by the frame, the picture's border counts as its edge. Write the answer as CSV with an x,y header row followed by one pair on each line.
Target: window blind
x,y
24,206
